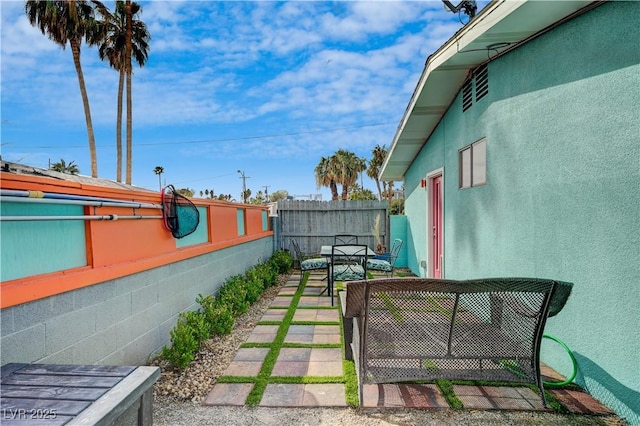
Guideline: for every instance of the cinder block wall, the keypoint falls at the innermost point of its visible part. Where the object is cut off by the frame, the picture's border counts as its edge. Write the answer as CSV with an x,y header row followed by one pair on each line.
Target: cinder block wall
x,y
123,321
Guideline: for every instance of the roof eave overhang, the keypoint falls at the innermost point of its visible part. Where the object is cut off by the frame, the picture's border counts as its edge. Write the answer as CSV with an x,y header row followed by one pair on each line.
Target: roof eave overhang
x,y
501,25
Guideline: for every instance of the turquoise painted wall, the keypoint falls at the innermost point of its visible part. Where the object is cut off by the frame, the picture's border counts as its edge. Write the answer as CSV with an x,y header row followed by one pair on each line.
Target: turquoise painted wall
x,y
241,221
39,247
398,229
562,199
200,235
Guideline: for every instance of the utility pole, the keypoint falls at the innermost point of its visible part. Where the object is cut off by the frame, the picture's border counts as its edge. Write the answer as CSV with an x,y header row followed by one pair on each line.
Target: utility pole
x,y
266,192
244,185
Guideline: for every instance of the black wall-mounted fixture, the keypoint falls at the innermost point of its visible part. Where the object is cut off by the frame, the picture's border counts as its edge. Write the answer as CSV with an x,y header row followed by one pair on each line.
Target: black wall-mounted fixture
x,y
469,7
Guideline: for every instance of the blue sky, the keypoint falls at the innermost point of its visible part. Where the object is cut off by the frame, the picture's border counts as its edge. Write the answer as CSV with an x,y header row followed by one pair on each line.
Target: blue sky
x,y
264,87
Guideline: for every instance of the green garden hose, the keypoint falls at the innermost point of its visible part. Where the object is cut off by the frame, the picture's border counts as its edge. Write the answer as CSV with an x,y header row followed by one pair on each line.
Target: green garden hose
x,y
573,361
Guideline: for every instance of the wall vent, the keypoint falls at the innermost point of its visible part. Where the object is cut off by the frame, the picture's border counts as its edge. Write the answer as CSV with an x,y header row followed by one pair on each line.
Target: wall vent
x,y
478,83
481,76
467,95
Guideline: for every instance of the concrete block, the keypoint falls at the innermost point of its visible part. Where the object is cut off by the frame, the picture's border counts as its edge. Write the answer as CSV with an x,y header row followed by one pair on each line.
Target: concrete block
x,y
114,358
133,327
113,311
6,321
65,356
66,330
144,297
94,294
167,289
139,350
27,345
29,314
97,346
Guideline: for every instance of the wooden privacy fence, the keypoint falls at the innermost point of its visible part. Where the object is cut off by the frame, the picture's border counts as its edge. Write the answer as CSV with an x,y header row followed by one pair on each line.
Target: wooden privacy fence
x,y
314,223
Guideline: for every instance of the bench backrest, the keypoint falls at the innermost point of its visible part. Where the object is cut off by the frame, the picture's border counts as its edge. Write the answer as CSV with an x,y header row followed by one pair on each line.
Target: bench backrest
x,y
416,328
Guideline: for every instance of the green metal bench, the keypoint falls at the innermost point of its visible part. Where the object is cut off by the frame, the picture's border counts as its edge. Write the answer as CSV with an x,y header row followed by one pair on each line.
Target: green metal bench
x,y
409,329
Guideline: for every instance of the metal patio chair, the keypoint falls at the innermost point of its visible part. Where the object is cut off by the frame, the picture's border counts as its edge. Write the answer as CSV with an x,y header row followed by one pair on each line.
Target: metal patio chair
x,y
345,239
348,263
310,264
386,261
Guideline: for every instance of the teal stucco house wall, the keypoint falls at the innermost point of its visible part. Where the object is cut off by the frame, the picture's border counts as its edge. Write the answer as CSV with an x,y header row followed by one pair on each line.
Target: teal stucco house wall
x,y
520,150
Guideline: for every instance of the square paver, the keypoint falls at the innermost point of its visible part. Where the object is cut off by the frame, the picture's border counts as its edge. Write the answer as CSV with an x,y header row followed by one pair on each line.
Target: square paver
x,y
326,339
498,398
290,368
243,368
315,301
324,395
425,396
251,354
282,395
281,301
313,290
247,362
580,402
326,355
328,315
321,369
305,315
228,394
299,334
299,338
263,334
274,315
294,354
300,329
382,395
422,396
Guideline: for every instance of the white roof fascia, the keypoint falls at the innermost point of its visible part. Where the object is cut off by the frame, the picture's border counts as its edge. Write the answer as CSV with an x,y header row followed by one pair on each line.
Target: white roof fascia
x,y
501,21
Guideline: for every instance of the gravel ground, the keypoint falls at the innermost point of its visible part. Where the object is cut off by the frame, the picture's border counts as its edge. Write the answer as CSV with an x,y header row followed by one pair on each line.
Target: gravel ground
x,y
189,413
177,395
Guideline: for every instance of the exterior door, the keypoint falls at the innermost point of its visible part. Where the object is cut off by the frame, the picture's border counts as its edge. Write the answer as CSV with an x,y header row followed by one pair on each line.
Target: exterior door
x,y
436,227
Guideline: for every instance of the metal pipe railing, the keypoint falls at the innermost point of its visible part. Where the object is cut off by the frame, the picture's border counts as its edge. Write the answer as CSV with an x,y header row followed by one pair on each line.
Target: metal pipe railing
x,y
39,197
51,198
113,217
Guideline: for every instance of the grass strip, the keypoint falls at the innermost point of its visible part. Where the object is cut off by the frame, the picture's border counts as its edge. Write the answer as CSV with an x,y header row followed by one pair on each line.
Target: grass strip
x,y
306,380
312,345
350,383
391,307
446,387
236,379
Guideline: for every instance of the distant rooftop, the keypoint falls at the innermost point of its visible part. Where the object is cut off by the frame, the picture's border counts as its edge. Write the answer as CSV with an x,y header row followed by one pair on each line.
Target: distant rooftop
x,y
22,169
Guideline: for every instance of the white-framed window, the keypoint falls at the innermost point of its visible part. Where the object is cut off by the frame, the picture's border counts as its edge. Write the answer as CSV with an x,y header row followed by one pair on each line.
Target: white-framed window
x,y
473,164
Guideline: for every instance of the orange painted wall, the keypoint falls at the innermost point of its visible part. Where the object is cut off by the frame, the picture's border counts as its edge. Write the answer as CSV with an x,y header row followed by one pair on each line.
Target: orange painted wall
x,y
123,247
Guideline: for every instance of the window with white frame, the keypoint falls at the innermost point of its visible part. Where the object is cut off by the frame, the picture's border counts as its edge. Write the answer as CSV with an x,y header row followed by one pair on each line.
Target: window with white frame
x,y
473,164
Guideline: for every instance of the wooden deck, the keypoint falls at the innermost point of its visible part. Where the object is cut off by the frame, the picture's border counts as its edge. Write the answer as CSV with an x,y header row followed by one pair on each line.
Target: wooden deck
x,y
47,394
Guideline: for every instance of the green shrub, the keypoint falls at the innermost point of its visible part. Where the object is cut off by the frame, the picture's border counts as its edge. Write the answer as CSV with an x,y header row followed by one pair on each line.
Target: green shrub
x,y
267,273
183,345
254,287
234,294
224,320
200,327
282,261
217,314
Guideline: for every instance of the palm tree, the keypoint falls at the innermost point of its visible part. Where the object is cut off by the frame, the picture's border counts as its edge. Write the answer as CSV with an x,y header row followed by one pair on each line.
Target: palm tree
x,y
373,171
325,176
63,167
349,167
69,21
114,49
342,168
159,170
